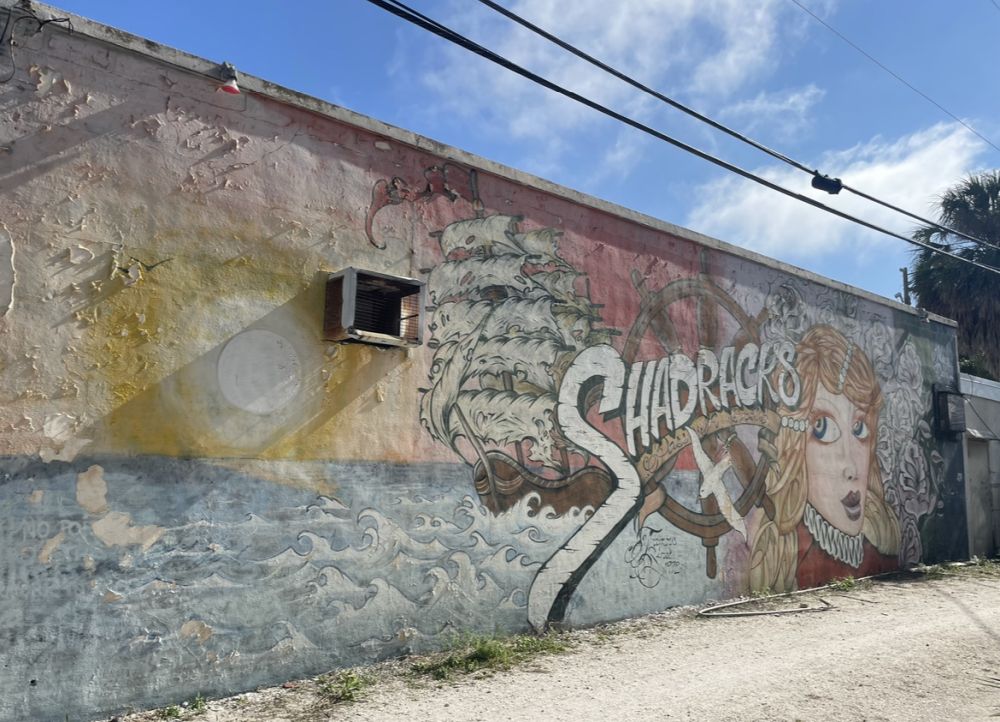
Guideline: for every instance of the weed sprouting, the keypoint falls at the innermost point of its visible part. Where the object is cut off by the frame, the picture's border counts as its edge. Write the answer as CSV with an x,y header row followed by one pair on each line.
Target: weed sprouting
x,y
171,712
473,653
346,686
844,584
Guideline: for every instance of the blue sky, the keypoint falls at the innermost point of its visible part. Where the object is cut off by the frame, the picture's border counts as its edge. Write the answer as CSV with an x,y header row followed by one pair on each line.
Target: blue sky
x,y
764,67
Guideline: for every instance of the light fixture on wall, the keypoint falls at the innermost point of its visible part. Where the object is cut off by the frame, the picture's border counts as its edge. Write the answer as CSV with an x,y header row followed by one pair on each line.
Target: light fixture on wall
x,y
229,78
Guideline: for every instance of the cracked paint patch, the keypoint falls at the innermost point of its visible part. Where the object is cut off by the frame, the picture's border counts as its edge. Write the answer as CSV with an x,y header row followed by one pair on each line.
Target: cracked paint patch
x,y
60,429
79,254
68,451
47,80
115,529
197,630
45,555
92,490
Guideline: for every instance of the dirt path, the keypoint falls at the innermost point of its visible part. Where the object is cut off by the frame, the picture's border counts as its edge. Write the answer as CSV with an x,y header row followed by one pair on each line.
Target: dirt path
x,y
898,650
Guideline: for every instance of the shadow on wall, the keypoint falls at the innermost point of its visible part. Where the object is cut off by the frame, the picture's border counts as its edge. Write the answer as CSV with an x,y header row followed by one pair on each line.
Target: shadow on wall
x,y
63,121
261,392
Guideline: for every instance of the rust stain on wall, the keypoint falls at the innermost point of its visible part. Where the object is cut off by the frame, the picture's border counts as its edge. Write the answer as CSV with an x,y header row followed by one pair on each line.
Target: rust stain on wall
x,y
152,310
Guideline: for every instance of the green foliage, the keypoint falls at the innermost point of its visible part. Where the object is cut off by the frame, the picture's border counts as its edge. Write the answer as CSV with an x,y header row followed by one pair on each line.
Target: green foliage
x,y
472,653
346,686
195,707
984,567
976,366
957,290
844,584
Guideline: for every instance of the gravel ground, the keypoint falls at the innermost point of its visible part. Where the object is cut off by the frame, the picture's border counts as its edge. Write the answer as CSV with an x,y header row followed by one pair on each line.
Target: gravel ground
x,y
914,647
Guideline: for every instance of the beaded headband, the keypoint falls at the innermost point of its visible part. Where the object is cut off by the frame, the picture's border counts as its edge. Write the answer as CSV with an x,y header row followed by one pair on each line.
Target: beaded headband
x,y
790,422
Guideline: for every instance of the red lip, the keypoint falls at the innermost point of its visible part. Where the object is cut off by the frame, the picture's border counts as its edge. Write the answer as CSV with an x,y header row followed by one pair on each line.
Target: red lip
x,y
852,505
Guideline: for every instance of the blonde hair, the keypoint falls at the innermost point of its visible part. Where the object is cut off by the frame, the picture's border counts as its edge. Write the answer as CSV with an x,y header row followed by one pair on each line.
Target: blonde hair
x,y
823,356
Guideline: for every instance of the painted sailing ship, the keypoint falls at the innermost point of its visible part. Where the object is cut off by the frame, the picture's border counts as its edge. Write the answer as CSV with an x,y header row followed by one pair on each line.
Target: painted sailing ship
x,y
506,321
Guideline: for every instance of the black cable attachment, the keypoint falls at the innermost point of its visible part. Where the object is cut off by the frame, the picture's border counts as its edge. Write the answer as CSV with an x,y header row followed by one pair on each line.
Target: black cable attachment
x,y
833,186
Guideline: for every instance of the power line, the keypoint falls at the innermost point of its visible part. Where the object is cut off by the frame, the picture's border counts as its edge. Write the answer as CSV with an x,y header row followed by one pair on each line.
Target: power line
x,y
412,16
919,92
400,9
835,183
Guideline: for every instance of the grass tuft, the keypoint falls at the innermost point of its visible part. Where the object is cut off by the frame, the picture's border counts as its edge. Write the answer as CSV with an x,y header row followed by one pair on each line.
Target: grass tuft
x,y
346,686
844,584
473,653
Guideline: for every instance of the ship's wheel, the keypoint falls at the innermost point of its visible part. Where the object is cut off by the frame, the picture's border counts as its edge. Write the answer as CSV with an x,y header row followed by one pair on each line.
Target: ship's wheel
x,y
718,431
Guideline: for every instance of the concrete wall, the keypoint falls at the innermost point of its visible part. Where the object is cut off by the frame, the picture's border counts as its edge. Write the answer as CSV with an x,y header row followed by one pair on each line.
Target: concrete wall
x,y
610,415
982,463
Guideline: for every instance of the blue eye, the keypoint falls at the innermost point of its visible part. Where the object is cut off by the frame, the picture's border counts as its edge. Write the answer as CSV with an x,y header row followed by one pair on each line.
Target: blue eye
x,y
825,429
860,429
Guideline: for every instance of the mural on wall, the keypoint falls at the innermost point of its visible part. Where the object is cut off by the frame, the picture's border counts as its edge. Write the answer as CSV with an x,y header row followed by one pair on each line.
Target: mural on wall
x,y
505,318
201,495
799,431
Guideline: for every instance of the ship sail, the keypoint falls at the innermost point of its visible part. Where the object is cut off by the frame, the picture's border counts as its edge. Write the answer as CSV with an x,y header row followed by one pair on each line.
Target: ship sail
x,y
502,418
529,360
531,317
473,276
507,313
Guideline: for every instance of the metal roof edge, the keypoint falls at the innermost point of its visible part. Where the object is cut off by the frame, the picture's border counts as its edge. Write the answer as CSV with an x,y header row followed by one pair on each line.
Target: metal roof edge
x,y
979,387
210,69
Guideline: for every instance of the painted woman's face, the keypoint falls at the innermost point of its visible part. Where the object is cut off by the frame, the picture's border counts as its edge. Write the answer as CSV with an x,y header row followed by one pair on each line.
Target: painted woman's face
x,y
838,452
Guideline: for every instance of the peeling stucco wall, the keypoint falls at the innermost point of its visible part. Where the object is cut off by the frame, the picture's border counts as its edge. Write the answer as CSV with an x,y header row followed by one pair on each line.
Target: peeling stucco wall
x,y
196,487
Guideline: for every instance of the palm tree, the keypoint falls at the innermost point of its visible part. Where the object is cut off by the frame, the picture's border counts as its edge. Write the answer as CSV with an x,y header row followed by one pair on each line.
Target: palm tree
x,y
957,290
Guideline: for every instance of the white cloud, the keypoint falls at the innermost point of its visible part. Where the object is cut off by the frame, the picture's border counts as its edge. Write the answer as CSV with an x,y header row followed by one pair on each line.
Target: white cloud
x,y
910,172
620,156
783,113
703,48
